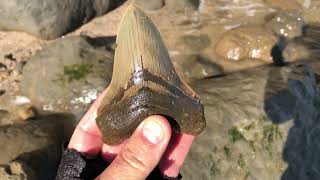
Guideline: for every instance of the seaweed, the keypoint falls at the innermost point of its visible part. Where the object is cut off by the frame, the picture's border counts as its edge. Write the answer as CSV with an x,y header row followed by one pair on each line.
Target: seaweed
x,y
234,134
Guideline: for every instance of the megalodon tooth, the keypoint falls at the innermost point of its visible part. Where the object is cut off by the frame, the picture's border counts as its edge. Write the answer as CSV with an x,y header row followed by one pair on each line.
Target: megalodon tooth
x,y
144,82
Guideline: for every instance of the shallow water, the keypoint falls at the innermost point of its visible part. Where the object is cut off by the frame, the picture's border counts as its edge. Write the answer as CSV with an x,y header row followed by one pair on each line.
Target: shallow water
x,y
214,18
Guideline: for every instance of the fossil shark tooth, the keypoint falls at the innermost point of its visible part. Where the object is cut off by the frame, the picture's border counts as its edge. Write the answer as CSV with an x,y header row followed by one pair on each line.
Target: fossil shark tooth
x,y
144,83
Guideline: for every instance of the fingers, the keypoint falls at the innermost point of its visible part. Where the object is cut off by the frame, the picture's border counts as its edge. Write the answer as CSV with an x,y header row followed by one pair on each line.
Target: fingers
x,y
142,152
87,137
108,152
175,154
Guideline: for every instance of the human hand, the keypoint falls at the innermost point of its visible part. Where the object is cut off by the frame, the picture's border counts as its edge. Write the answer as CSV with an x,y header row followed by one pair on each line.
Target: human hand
x,y
152,144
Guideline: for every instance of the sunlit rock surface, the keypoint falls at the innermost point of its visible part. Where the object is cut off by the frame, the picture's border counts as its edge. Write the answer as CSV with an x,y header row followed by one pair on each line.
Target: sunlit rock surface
x,y
68,74
288,24
49,19
149,5
205,26
195,67
246,42
261,124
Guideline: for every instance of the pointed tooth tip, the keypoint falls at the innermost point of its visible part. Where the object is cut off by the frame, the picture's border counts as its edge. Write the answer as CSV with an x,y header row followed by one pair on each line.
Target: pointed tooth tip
x,y
132,8
133,12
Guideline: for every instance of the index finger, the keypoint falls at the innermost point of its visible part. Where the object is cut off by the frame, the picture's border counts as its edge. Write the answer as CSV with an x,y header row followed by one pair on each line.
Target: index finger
x,y
87,137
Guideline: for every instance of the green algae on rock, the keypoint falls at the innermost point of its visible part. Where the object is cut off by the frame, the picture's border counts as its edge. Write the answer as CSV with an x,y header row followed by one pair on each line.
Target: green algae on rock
x,y
144,83
67,75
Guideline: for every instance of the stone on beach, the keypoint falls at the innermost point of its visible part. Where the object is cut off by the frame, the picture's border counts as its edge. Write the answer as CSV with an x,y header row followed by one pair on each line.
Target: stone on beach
x,y
49,19
247,42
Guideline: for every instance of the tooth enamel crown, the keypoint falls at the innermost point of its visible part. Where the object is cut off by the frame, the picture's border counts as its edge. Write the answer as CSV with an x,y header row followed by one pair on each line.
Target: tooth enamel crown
x,y
145,83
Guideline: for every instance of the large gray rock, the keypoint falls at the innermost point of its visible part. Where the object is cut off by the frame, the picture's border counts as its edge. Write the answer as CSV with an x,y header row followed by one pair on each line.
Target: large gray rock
x,y
49,19
32,150
262,123
67,75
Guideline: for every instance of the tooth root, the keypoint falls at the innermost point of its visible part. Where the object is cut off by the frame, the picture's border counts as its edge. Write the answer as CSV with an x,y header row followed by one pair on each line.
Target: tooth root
x,y
144,83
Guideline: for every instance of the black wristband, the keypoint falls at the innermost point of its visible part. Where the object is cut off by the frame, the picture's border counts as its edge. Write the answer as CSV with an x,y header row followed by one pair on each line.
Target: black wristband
x,y
76,166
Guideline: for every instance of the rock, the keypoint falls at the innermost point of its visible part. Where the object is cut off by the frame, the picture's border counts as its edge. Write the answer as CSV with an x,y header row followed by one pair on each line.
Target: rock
x,y
150,5
285,5
67,75
295,51
32,148
3,115
304,47
6,175
288,24
16,171
49,19
246,42
254,119
26,112
311,16
192,43
181,5
14,109
195,67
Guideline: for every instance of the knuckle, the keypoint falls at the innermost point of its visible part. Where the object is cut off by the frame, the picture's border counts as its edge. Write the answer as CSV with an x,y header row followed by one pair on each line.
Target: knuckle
x,y
131,158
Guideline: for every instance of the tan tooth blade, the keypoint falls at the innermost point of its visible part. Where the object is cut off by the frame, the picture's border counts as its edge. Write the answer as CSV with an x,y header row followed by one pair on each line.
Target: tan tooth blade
x,y
139,46
144,83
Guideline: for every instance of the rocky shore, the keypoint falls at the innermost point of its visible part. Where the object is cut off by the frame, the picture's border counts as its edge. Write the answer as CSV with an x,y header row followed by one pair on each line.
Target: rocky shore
x,y
255,65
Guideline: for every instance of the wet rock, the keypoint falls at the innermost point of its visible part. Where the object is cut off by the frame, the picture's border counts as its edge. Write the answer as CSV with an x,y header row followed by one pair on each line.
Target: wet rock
x,y
2,92
295,51
67,75
285,5
49,19
193,43
195,67
16,171
150,5
32,148
181,5
288,24
253,118
253,42
305,47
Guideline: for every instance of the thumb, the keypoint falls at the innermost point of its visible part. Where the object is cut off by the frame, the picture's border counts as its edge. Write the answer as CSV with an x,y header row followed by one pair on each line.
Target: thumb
x,y
142,152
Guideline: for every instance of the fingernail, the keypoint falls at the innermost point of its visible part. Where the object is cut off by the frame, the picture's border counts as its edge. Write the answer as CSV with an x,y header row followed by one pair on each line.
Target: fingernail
x,y
152,131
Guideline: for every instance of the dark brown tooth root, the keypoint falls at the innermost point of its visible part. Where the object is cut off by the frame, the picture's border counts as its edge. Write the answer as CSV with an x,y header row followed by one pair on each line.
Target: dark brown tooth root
x,y
145,83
